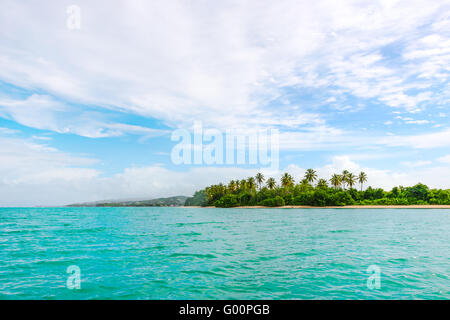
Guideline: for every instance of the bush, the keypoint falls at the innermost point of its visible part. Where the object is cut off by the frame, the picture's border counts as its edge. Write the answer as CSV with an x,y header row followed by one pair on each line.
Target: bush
x,y
320,198
221,195
372,194
288,199
356,195
419,192
273,202
228,201
342,198
304,199
199,199
245,199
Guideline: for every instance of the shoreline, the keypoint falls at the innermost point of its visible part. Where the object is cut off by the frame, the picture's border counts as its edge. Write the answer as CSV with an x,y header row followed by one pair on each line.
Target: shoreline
x,y
425,206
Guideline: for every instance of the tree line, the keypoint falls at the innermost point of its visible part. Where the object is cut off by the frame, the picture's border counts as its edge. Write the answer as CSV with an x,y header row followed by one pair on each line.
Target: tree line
x,y
311,190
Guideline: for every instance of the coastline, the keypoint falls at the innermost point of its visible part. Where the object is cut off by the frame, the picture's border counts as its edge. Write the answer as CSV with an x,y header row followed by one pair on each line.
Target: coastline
x,y
425,206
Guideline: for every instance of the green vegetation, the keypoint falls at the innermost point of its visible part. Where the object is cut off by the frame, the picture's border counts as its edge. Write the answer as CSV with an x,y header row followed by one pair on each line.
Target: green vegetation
x,y
313,191
199,199
160,202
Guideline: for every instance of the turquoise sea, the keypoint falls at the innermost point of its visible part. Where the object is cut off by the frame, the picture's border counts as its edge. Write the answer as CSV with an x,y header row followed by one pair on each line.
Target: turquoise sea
x,y
193,253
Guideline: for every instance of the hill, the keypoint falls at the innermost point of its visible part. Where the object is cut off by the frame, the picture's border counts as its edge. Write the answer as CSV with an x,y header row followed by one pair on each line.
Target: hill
x,y
176,201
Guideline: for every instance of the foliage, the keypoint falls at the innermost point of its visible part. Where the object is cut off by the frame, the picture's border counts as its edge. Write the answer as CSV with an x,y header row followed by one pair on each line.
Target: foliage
x,y
199,199
273,202
176,201
227,201
252,191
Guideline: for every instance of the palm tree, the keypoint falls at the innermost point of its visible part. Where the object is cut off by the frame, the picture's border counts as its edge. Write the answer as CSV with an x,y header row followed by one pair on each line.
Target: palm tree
x,y
251,183
259,179
232,185
362,178
305,182
351,180
287,180
243,184
271,183
215,192
208,193
344,178
322,184
310,175
336,180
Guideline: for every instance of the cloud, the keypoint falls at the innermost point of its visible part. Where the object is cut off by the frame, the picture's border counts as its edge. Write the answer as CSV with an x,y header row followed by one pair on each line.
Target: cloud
x,y
414,164
410,120
180,61
444,159
22,158
418,122
420,141
45,113
41,138
34,174
436,177
4,131
241,65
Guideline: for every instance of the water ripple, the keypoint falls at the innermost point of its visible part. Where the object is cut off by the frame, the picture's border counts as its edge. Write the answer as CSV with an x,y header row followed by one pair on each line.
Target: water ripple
x,y
191,253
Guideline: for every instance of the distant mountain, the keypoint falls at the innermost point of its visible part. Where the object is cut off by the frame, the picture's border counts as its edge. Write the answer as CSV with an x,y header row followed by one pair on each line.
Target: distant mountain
x,y
176,201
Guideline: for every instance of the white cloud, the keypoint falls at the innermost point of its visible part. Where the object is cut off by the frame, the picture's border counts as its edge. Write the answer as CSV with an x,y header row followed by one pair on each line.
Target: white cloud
x,y
433,176
182,61
420,141
414,164
410,120
20,158
34,174
45,113
228,64
41,138
4,131
436,177
418,122
444,159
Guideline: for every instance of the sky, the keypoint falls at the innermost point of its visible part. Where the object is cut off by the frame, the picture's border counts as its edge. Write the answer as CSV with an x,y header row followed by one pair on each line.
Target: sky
x,y
92,92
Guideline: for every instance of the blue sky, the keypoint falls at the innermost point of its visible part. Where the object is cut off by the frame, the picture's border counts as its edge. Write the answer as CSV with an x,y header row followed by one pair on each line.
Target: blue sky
x,y
87,113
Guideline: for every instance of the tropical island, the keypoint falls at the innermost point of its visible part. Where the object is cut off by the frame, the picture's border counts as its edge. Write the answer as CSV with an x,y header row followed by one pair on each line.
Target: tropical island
x,y
313,191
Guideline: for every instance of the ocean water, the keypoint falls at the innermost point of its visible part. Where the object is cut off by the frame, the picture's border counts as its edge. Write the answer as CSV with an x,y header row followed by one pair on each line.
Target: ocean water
x,y
193,253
